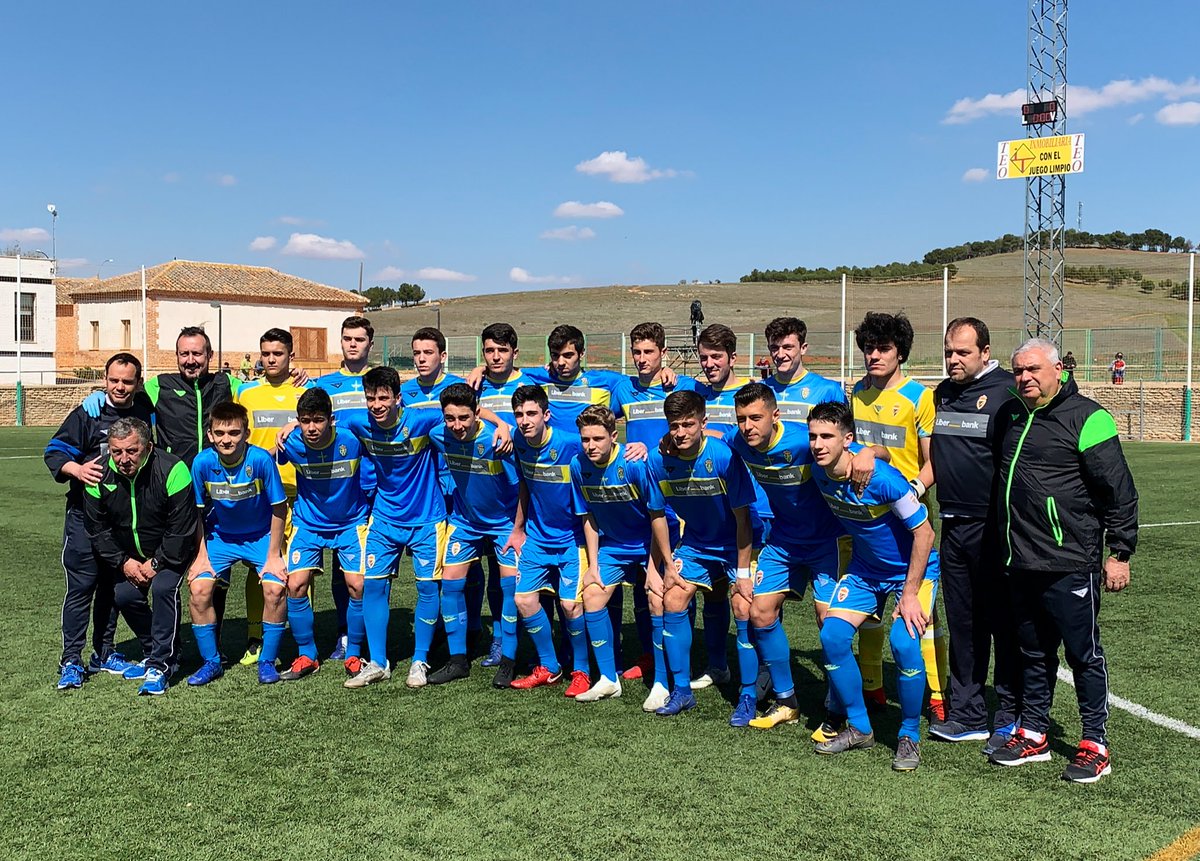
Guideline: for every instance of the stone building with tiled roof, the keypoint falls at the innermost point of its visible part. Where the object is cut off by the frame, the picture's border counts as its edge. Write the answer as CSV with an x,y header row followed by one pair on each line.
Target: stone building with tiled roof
x,y
97,318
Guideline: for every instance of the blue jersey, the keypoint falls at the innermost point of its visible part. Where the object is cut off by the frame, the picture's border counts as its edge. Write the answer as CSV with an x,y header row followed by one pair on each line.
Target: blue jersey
x,y
241,494
497,397
415,395
703,490
642,408
796,398
719,404
329,496
407,489
485,482
784,473
346,392
546,472
880,520
620,497
568,398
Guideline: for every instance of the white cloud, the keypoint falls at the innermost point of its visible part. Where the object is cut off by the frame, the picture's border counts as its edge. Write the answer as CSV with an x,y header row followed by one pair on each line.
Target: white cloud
x,y
569,234
437,273
619,167
523,276
72,264
1080,100
24,234
1136,118
321,247
171,177
599,209
975,174
1179,114
227,180
389,273
263,243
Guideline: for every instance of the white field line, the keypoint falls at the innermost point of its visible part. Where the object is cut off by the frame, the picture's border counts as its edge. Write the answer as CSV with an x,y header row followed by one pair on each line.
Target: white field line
x,y
1064,675
21,457
1173,523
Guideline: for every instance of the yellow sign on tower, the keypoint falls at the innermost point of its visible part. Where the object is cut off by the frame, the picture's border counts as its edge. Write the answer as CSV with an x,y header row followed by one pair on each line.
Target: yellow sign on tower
x,y
1021,159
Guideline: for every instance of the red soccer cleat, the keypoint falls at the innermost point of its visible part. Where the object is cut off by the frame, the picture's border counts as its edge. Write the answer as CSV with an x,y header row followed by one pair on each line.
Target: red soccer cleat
x,y
937,710
876,700
538,678
301,667
353,665
580,682
642,669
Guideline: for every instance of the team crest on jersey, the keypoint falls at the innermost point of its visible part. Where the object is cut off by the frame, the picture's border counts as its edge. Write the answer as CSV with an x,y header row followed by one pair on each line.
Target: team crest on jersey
x,y
370,560
249,470
979,404
295,557
804,392
895,410
342,450
787,456
878,408
554,454
479,450
620,473
708,465
405,432
843,593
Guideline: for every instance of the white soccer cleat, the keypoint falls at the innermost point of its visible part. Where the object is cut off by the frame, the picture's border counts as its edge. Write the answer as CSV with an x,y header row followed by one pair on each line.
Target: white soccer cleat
x,y
369,674
603,689
711,677
657,699
417,675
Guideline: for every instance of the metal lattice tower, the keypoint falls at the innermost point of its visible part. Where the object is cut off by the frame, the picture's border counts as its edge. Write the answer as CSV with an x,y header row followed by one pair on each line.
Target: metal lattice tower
x,y
1046,196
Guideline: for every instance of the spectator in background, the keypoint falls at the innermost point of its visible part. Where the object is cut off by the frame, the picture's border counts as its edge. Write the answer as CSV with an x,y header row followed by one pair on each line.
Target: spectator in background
x,y
1117,369
1069,362
258,368
225,369
764,367
246,368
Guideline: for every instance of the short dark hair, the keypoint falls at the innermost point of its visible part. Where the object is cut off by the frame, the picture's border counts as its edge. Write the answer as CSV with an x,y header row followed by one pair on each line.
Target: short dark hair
x,y
382,377
834,412
357,322
278,336
781,327
878,330
428,333
229,411
752,392
194,332
719,337
680,405
531,393
648,332
314,402
459,395
124,359
597,416
501,333
983,337
561,336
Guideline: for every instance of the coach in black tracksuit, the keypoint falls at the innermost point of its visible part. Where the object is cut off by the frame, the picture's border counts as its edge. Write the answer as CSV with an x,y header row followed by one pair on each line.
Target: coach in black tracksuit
x,y
1065,493
974,586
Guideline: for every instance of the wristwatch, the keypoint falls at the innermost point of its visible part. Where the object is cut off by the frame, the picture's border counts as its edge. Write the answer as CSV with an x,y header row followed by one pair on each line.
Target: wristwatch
x,y
154,562
1119,555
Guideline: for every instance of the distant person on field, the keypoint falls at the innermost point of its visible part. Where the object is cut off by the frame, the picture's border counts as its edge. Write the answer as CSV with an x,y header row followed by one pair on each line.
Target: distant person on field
x,y
1117,369
246,368
764,367
225,369
1069,362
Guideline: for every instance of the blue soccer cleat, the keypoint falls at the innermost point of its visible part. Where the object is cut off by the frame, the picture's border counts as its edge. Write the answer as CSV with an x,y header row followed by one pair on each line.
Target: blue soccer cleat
x,y
209,671
267,674
136,672
493,656
70,677
155,683
115,664
339,650
680,701
745,712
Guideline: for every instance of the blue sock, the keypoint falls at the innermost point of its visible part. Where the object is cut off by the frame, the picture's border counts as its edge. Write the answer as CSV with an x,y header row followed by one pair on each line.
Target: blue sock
x,y
495,599
837,637
677,640
773,646
508,617
641,619
616,617
206,641
562,642
716,631
454,616
341,599
473,595
910,679
600,632
356,628
660,655
300,617
272,637
377,610
747,657
425,618
538,626
577,631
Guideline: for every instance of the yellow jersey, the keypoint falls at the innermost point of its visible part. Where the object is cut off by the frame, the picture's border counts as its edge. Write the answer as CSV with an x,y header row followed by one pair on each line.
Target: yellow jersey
x,y
896,418
271,407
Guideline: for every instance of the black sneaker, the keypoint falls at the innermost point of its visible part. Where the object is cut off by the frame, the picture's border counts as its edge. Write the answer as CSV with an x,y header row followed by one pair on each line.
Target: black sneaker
x,y
458,667
952,730
1091,763
908,755
1020,750
505,673
999,737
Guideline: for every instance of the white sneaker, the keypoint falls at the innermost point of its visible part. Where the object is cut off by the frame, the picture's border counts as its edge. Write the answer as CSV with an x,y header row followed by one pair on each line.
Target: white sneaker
x,y
711,677
603,689
369,674
657,699
417,675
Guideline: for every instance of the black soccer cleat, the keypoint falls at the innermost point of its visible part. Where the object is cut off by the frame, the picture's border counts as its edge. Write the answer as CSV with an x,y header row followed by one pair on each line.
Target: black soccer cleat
x,y
458,667
505,673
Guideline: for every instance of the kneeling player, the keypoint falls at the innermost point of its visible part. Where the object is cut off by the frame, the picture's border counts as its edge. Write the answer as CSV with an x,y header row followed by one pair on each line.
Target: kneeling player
x,y
249,507
330,513
892,555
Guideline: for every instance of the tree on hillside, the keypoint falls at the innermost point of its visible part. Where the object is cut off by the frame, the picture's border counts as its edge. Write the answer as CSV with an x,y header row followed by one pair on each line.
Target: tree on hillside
x,y
409,294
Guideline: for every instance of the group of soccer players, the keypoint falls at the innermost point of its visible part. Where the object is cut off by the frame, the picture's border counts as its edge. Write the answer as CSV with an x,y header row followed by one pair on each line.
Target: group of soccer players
x,y
731,494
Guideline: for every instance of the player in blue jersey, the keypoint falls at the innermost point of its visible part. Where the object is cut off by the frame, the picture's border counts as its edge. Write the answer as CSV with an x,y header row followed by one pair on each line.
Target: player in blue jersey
x,y
717,349
569,386
330,512
408,515
248,509
797,389
892,555
712,492
480,523
627,539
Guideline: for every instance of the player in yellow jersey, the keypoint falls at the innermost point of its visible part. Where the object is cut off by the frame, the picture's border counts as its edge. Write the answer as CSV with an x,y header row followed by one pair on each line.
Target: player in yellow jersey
x,y
896,412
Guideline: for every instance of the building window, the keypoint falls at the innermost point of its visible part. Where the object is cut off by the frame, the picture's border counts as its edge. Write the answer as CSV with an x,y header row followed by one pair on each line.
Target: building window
x,y
126,337
95,334
309,344
24,313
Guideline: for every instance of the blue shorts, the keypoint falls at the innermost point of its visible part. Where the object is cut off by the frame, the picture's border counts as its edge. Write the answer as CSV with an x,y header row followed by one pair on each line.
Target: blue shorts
x,y
862,596
223,554
621,566
465,544
386,543
549,569
704,571
790,568
306,547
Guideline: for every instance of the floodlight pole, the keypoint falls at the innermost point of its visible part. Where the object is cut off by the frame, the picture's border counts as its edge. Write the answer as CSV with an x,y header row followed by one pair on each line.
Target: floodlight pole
x,y
1187,389
842,330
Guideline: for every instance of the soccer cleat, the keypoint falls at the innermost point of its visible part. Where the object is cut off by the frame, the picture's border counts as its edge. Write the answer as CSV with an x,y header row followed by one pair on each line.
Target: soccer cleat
x,y
679,702
70,677
115,664
711,677
580,682
657,699
253,647
829,728
776,715
493,655
209,671
603,689
1021,749
999,737
908,755
418,675
339,649
368,675
847,739
155,683
136,672
876,700
267,674
937,710
952,730
1091,762
353,665
505,673
643,668
455,668
301,667
746,711
540,677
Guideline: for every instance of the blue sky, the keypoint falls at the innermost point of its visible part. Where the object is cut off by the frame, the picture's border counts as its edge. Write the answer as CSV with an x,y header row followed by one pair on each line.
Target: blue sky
x,y
437,141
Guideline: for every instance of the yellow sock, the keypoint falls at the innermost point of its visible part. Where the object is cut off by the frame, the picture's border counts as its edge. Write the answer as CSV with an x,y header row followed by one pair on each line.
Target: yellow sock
x,y
871,635
935,649
254,606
